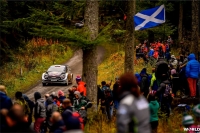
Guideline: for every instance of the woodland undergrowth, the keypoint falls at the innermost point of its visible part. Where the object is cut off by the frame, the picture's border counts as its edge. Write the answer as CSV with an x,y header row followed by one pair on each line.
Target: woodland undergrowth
x,y
30,62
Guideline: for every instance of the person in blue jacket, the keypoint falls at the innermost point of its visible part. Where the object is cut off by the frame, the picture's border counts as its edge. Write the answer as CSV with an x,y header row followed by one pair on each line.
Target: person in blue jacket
x,y
5,101
192,73
151,52
138,77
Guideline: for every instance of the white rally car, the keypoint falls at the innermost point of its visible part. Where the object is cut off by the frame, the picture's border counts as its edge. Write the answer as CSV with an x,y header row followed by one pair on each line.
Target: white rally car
x,y
57,74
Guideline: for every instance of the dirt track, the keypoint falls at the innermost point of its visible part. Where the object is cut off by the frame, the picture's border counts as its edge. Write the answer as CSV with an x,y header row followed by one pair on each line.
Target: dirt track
x,y
76,68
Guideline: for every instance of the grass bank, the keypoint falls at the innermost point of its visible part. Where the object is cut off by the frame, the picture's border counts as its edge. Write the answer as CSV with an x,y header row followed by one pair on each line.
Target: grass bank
x,y
30,62
112,66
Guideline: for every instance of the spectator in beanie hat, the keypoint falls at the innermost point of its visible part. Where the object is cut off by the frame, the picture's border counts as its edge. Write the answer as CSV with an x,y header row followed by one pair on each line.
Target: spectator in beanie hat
x,y
196,111
81,86
39,111
61,96
187,120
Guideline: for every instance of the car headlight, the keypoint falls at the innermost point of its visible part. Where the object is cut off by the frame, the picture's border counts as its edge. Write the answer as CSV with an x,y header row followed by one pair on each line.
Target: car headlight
x,y
46,76
62,76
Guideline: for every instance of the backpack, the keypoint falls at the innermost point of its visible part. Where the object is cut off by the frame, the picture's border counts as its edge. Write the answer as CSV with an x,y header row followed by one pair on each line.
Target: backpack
x,y
27,109
77,115
25,105
167,91
147,79
41,107
107,89
81,120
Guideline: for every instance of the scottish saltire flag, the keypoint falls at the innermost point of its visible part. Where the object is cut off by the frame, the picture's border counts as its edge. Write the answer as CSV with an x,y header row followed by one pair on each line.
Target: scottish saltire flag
x,y
149,18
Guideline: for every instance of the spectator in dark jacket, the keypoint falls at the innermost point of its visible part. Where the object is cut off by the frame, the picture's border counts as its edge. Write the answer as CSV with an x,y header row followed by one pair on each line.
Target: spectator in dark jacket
x,y
192,74
144,82
67,105
109,103
5,101
165,96
58,124
73,125
40,111
51,107
31,106
183,79
161,68
115,97
71,93
99,94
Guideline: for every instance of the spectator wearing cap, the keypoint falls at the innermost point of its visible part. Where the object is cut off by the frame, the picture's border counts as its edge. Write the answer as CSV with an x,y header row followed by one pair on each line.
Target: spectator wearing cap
x,y
61,96
192,74
81,86
5,101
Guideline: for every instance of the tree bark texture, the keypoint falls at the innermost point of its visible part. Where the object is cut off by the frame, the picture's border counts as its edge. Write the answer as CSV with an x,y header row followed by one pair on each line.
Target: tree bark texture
x,y
89,55
129,44
195,27
180,24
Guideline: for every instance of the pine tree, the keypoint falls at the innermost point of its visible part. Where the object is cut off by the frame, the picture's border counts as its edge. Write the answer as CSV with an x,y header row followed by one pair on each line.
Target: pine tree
x,y
129,46
195,27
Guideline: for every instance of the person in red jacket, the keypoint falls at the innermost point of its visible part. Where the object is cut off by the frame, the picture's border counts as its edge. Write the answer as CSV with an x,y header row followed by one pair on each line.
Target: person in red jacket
x,y
81,86
155,55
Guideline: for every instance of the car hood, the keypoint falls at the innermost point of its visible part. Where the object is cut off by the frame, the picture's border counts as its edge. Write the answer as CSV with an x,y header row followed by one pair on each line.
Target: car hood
x,y
54,73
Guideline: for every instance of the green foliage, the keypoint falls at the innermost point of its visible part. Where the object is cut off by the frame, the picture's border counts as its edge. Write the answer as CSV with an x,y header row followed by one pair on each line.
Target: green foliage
x,y
31,61
21,21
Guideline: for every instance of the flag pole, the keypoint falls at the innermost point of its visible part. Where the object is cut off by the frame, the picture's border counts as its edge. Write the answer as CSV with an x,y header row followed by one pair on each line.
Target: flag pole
x,y
164,33
164,26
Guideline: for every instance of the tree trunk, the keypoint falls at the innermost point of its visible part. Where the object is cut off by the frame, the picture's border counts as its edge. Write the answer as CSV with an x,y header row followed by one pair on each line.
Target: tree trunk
x,y
180,24
129,46
195,27
89,53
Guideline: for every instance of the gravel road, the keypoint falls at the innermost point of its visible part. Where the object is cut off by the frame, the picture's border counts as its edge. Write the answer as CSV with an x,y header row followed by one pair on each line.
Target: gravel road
x,y
75,64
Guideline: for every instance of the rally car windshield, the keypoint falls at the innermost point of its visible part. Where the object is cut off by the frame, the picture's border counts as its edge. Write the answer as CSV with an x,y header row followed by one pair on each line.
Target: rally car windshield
x,y
56,69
